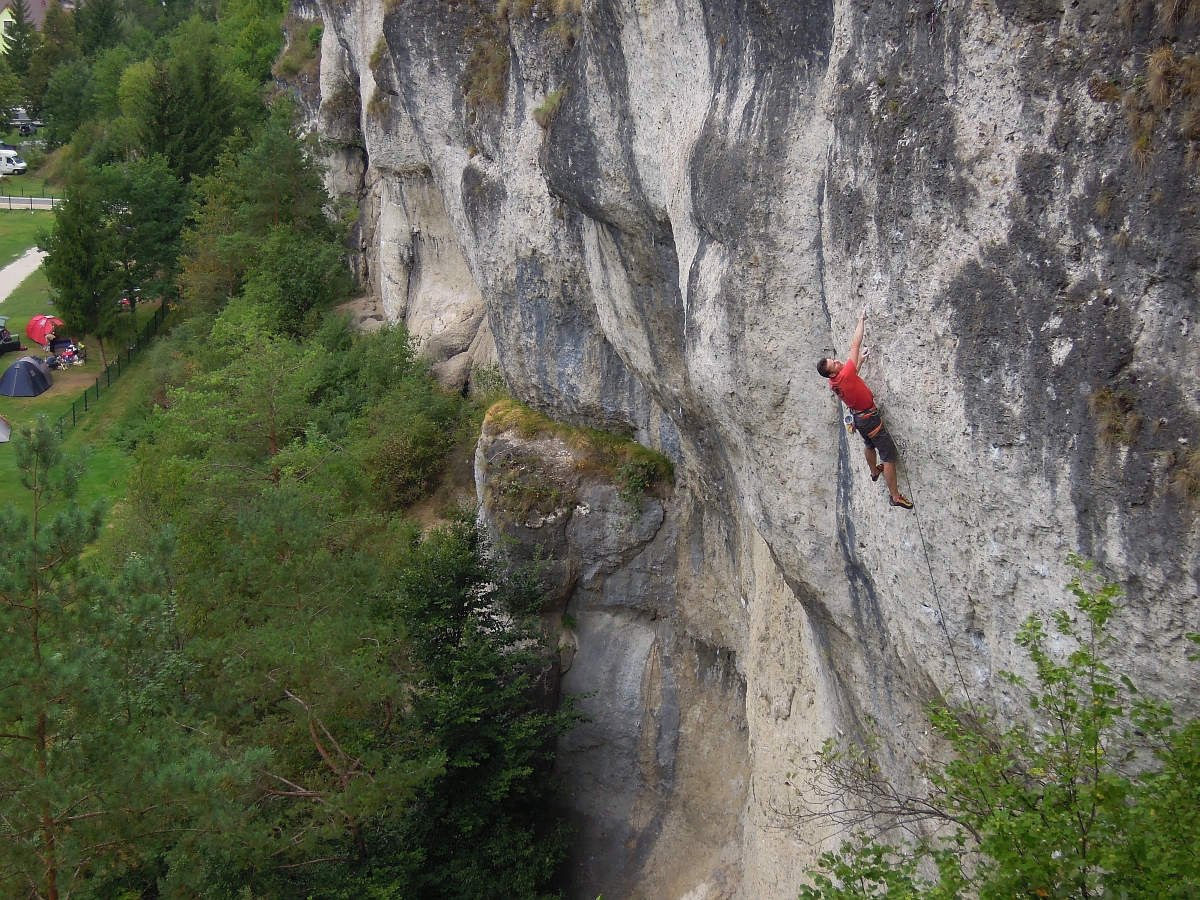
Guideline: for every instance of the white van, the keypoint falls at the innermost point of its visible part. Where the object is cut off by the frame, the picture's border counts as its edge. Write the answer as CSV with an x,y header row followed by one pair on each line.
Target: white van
x,y
11,163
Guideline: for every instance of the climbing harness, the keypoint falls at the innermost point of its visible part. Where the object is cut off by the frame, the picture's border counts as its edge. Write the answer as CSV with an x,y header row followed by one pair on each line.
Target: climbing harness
x,y
865,415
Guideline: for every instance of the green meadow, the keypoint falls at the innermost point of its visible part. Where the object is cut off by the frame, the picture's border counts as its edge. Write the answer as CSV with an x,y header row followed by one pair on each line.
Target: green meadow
x,y
107,464
19,231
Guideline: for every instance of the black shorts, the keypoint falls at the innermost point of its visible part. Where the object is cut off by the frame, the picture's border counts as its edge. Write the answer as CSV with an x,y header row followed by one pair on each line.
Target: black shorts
x,y
870,425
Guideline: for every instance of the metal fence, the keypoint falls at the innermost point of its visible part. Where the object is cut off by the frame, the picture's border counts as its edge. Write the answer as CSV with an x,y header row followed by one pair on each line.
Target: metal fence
x,y
42,203
24,186
111,372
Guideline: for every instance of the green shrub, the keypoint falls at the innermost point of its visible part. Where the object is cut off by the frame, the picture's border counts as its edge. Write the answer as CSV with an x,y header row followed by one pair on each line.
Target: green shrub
x,y
405,439
1097,796
297,277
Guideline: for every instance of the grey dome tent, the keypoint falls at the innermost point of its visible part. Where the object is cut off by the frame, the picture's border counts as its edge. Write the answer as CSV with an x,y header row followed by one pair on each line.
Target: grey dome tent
x,y
27,377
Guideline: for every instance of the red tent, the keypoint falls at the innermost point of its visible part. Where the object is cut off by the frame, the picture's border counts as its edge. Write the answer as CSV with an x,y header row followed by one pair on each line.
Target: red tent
x,y
40,326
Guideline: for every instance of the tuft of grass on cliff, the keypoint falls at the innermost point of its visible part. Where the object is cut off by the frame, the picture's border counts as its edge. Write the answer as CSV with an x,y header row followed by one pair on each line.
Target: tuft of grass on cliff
x,y
637,469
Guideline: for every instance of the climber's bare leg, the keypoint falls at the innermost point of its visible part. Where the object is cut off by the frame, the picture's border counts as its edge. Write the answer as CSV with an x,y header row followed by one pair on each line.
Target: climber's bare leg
x,y
871,461
889,475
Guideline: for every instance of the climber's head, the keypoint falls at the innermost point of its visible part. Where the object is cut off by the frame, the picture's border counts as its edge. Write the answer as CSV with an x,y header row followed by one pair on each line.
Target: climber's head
x,y
829,368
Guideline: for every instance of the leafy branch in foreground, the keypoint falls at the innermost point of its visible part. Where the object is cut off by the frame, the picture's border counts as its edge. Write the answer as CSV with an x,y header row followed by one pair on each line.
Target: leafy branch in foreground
x,y
1097,796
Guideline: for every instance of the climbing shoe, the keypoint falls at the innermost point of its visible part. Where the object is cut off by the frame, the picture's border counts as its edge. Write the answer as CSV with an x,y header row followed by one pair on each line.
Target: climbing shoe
x,y
903,502
875,477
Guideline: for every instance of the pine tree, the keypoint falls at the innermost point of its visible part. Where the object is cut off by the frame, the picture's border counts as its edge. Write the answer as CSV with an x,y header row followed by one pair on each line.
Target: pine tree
x,y
22,39
181,108
88,773
80,266
58,45
97,24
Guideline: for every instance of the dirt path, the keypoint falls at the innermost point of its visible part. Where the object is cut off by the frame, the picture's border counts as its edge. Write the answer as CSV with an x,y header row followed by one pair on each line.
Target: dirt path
x,y
16,272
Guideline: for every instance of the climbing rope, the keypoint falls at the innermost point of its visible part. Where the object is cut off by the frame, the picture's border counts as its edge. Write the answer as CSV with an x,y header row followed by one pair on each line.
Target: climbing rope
x,y
937,598
865,355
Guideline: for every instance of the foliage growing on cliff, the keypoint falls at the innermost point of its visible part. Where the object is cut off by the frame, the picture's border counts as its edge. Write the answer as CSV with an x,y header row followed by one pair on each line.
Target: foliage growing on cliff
x,y
1166,87
486,41
636,469
544,114
1185,477
303,52
485,79
1118,421
1097,796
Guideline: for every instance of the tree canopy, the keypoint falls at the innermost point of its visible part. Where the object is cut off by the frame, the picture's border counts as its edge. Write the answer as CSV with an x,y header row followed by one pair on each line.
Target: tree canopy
x,y
317,697
22,40
80,264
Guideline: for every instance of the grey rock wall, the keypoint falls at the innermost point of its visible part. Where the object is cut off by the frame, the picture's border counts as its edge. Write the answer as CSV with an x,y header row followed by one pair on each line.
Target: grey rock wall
x,y
1010,191
657,775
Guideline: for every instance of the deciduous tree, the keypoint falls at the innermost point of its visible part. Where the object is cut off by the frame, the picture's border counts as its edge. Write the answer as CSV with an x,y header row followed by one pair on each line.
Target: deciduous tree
x,y
1097,796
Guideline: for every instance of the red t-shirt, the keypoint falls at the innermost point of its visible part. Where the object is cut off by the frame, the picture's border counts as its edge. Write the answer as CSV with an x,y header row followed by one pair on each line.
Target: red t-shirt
x,y
851,388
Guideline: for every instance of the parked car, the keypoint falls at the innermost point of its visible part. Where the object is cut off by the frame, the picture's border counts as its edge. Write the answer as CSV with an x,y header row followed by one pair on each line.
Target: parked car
x,y
24,125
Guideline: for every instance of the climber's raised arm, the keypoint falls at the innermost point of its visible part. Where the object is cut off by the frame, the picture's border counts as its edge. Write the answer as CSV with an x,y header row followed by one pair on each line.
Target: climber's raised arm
x,y
856,341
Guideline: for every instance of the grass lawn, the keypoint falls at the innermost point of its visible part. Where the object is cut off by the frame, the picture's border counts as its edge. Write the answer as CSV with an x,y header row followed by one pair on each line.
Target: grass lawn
x,y
108,466
28,186
18,232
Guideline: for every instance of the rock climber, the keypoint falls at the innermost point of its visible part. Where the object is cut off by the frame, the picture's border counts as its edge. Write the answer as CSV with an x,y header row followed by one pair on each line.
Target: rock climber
x,y
845,381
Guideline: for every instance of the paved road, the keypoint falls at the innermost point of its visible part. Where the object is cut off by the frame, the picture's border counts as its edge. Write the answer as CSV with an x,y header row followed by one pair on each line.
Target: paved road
x,y
16,272
42,203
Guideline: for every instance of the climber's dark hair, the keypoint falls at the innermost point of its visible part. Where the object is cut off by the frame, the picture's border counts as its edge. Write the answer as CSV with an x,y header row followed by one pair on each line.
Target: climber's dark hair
x,y
822,367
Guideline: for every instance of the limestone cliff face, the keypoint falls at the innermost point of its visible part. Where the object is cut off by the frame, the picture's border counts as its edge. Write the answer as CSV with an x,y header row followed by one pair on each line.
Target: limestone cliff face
x,y
666,214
